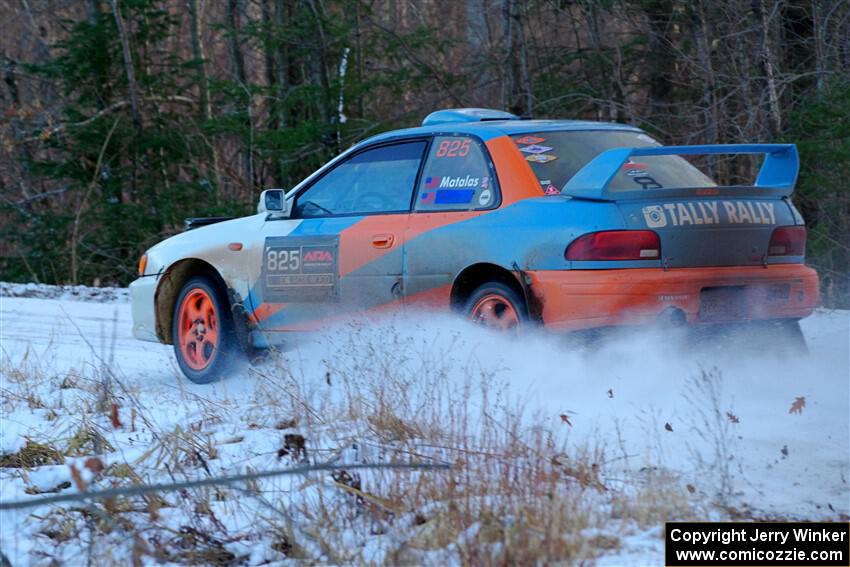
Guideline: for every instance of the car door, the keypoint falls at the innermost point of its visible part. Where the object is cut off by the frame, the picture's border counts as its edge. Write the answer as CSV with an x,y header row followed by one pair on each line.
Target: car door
x,y
458,183
341,249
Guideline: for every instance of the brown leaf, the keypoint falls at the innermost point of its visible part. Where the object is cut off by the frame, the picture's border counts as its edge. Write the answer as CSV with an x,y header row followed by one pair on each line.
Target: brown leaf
x,y
566,419
784,450
153,508
798,405
78,479
691,488
113,417
294,445
732,417
111,505
668,427
94,464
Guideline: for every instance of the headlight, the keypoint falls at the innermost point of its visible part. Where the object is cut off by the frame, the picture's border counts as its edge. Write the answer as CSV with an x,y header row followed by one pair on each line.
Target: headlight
x,y
143,263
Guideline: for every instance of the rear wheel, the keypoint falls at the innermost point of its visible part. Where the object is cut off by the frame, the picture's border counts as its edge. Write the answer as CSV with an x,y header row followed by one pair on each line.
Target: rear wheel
x,y
775,336
202,331
497,306
785,334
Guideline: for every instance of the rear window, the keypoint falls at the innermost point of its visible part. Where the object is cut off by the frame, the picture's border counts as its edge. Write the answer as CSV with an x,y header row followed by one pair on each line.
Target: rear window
x,y
556,156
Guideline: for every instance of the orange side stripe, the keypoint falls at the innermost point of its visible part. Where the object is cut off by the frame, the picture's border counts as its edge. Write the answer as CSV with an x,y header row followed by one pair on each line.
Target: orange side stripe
x,y
355,242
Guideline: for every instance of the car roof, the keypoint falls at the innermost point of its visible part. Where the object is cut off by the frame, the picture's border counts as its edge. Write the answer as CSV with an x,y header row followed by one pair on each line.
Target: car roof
x,y
489,129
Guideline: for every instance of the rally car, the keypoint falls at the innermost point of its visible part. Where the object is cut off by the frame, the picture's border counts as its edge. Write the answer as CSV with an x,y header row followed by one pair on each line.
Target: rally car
x,y
509,222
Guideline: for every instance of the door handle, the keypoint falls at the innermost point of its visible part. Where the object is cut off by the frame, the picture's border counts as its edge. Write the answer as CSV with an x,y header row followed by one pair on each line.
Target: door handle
x,y
383,240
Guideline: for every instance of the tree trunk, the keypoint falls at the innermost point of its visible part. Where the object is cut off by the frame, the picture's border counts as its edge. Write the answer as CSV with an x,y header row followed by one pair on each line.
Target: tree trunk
x,y
768,63
199,56
322,56
132,89
238,62
516,85
708,102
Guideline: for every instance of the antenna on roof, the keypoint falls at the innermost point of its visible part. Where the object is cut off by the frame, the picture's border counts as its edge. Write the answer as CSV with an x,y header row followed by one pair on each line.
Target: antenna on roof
x,y
453,115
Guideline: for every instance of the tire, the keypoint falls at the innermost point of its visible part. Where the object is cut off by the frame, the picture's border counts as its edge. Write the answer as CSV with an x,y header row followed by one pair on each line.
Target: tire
x,y
497,306
775,336
202,331
787,335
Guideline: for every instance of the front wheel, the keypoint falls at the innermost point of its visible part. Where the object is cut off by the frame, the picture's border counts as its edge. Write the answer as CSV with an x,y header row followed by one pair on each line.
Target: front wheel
x,y
202,331
497,306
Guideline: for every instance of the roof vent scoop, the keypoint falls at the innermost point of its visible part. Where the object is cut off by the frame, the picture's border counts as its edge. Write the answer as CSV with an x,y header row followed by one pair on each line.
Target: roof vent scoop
x,y
454,115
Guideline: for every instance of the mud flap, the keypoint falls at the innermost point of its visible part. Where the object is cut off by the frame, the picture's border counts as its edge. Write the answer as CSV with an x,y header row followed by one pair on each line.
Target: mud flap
x,y
240,323
532,302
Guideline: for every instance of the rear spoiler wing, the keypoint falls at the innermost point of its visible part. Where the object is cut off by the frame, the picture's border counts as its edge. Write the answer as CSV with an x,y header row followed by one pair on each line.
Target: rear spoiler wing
x,y
777,176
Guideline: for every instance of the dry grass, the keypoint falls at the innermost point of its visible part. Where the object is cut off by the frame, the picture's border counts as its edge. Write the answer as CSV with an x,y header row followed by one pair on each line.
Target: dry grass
x,y
32,455
518,490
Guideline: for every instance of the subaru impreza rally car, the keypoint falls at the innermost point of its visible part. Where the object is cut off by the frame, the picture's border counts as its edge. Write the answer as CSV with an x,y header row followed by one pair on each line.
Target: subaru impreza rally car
x,y
566,224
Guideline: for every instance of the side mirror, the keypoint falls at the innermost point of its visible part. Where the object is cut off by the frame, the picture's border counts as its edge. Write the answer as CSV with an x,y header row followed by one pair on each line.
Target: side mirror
x,y
274,201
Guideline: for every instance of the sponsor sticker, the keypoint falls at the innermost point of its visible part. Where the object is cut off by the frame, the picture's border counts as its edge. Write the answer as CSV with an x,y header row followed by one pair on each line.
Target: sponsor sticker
x,y
535,149
454,196
633,169
551,190
453,182
710,212
529,140
540,158
485,197
300,269
427,197
654,216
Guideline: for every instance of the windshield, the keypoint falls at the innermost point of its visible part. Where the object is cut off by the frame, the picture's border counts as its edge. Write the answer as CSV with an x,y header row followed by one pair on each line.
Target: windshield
x,y
556,156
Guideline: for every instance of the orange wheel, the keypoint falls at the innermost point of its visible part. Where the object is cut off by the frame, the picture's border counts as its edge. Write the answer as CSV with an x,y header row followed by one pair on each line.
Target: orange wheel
x,y
497,306
202,331
197,328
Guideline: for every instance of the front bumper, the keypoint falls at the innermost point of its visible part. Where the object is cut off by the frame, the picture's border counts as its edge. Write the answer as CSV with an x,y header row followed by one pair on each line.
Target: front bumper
x,y
583,299
142,294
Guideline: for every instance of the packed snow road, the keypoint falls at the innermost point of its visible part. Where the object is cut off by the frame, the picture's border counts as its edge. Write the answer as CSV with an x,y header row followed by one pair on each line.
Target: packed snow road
x,y
764,434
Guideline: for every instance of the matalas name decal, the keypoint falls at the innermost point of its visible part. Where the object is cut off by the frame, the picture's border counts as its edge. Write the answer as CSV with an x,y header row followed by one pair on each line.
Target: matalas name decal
x,y
709,212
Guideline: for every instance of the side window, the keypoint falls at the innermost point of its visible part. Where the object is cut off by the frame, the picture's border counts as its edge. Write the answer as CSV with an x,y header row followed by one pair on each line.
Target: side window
x,y
457,177
379,180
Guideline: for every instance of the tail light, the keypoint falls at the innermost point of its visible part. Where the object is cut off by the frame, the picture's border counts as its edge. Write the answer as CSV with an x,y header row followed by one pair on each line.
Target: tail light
x,y
615,245
787,241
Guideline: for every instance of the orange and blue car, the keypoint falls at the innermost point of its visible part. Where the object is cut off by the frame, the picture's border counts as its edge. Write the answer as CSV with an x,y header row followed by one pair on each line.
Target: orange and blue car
x,y
566,224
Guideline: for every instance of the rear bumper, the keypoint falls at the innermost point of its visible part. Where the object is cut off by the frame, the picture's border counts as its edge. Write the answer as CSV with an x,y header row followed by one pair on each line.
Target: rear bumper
x,y
581,299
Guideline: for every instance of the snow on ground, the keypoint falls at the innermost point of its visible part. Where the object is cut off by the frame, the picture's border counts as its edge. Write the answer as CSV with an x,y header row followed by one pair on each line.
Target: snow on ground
x,y
647,403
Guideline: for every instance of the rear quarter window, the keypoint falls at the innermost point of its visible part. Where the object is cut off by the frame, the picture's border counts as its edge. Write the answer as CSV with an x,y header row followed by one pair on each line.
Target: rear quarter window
x,y
458,176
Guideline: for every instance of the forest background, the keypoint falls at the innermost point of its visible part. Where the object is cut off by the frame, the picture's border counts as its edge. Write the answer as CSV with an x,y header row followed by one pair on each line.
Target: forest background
x,y
119,118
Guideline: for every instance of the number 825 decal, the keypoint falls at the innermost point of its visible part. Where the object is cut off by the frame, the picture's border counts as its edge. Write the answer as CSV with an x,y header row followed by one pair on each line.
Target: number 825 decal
x,y
283,260
453,148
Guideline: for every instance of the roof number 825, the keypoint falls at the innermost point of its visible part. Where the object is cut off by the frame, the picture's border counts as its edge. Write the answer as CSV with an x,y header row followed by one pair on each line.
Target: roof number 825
x,y
453,148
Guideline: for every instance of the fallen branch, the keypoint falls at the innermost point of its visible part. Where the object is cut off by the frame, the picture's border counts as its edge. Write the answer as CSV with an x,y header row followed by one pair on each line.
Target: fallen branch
x,y
177,486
